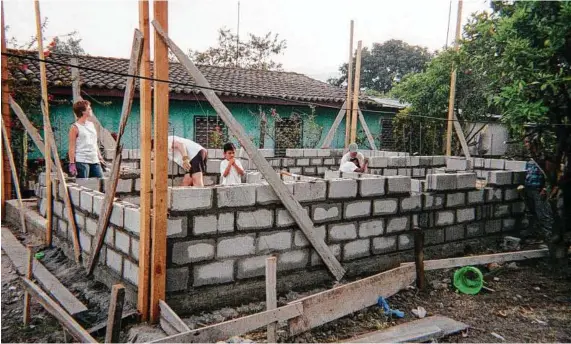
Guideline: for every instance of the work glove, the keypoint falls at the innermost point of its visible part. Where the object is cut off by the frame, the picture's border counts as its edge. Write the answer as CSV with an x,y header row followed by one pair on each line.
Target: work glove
x,y
72,169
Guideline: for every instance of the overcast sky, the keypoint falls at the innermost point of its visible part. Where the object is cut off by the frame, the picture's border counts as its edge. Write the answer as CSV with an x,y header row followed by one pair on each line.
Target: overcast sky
x,y
316,31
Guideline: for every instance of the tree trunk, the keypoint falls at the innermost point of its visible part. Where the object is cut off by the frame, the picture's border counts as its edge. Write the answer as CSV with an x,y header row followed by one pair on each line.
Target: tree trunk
x,y
263,123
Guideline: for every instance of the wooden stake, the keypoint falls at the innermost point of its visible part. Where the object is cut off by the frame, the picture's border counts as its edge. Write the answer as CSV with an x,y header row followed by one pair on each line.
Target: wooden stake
x,y
29,270
356,88
46,116
453,85
348,104
59,313
291,204
6,178
367,130
115,313
14,175
419,258
271,296
160,204
145,144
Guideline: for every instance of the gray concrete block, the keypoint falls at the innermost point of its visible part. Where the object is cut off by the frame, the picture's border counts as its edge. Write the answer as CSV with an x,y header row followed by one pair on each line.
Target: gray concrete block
x,y
265,193
493,194
251,267
302,162
476,196
207,224
389,172
276,241
236,195
110,236
419,172
177,279
493,226
257,219
508,224
79,220
518,177
465,215
316,162
444,218
499,177
385,206
213,273
134,249
405,171
474,230
97,202
132,220
384,244
434,236
357,249
90,183
398,184
300,239
118,214
342,188
371,187
440,182
323,152
225,222
453,233
466,181
398,224
518,208
397,162
340,232
501,210
283,218
433,201
131,272
183,198
293,260
405,242
177,227
329,162
371,228
455,199
122,242
310,152
58,209
115,261
310,191
124,186
495,164
316,259
511,194
357,209
193,251
74,195
512,165
85,241
213,166
326,212
235,246
458,164
331,174
412,203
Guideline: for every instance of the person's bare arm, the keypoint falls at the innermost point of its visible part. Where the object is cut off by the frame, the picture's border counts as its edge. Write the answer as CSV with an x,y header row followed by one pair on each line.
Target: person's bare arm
x,y
73,133
228,168
182,149
238,168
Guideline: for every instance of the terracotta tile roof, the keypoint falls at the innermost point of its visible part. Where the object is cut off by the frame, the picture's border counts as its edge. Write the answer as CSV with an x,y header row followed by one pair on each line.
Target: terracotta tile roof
x,y
233,81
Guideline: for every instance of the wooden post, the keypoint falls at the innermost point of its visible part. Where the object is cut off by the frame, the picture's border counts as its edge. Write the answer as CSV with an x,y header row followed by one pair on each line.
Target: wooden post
x,y
271,296
367,130
6,179
160,205
46,116
295,209
331,133
75,80
419,258
348,103
453,85
27,296
14,175
145,144
356,88
115,313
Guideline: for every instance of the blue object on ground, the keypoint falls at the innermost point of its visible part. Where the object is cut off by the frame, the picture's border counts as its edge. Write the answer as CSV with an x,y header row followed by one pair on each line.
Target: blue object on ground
x,y
385,305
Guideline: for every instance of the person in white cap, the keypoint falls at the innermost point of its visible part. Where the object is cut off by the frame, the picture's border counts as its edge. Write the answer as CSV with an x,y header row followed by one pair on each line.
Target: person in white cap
x,y
353,161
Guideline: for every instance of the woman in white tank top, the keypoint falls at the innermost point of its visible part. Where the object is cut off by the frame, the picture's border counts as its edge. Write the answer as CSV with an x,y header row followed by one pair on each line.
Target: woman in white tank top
x,y
84,157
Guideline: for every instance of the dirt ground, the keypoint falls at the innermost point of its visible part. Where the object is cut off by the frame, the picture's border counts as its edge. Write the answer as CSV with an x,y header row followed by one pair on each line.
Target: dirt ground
x,y
531,302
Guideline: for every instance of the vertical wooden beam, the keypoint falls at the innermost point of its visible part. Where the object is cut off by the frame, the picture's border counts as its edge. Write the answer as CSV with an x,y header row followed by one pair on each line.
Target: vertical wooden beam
x,y
348,103
271,296
356,88
453,85
27,297
46,117
14,175
145,144
6,179
115,314
419,257
161,111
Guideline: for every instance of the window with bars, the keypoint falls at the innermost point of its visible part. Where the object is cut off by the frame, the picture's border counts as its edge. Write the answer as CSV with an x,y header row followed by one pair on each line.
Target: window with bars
x,y
210,131
288,134
387,139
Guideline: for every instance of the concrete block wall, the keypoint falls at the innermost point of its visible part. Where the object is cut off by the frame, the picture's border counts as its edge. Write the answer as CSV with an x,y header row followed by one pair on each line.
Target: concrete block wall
x,y
482,166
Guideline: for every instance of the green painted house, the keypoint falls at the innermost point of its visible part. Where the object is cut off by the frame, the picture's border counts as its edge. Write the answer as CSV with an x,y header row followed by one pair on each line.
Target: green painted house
x,y
284,109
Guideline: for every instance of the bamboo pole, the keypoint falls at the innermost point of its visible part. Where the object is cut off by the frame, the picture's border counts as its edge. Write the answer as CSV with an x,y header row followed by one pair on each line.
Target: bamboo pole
x,y
6,178
453,85
356,86
161,103
271,296
46,117
348,103
145,144
27,296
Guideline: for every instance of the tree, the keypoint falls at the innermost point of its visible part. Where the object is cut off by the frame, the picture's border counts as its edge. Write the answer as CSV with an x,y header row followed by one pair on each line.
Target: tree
x,y
68,44
256,52
385,64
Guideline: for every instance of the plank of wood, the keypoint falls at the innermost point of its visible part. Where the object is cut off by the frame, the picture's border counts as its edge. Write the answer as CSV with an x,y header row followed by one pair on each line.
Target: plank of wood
x,y
115,314
17,254
419,258
271,296
451,116
235,327
6,179
145,194
170,318
331,133
356,89
29,269
482,259
103,325
160,177
367,130
348,100
461,137
335,303
414,331
291,204
59,313
15,178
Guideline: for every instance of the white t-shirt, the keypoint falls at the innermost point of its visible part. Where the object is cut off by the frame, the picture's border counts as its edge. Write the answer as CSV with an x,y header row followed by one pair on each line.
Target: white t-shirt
x,y
347,158
86,148
233,177
348,166
192,148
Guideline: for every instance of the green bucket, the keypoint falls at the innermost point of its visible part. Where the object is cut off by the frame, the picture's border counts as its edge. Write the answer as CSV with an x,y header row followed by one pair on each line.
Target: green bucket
x,y
468,280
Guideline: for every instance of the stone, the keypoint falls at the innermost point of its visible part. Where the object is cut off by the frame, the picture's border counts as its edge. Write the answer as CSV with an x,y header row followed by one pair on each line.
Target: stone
x,y
371,228
302,162
458,164
283,218
257,219
74,195
300,240
310,152
397,162
90,183
316,259
465,215
277,241
177,279
122,242
512,165
323,152
398,184
405,242
114,260
133,220
384,244
474,230
502,210
342,188
412,203
444,218
385,206
397,224
493,194
135,249
455,199
251,267
466,181
433,201
214,273
511,194
454,233
131,272
356,249
177,227
495,164
389,172
184,198
235,246
476,196
97,202
124,186
357,209
441,182
265,193
493,226
341,232
192,251
499,177
509,224
236,195
206,224
85,241
326,212
293,260
378,162
225,222
371,187
433,236
310,191
118,215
